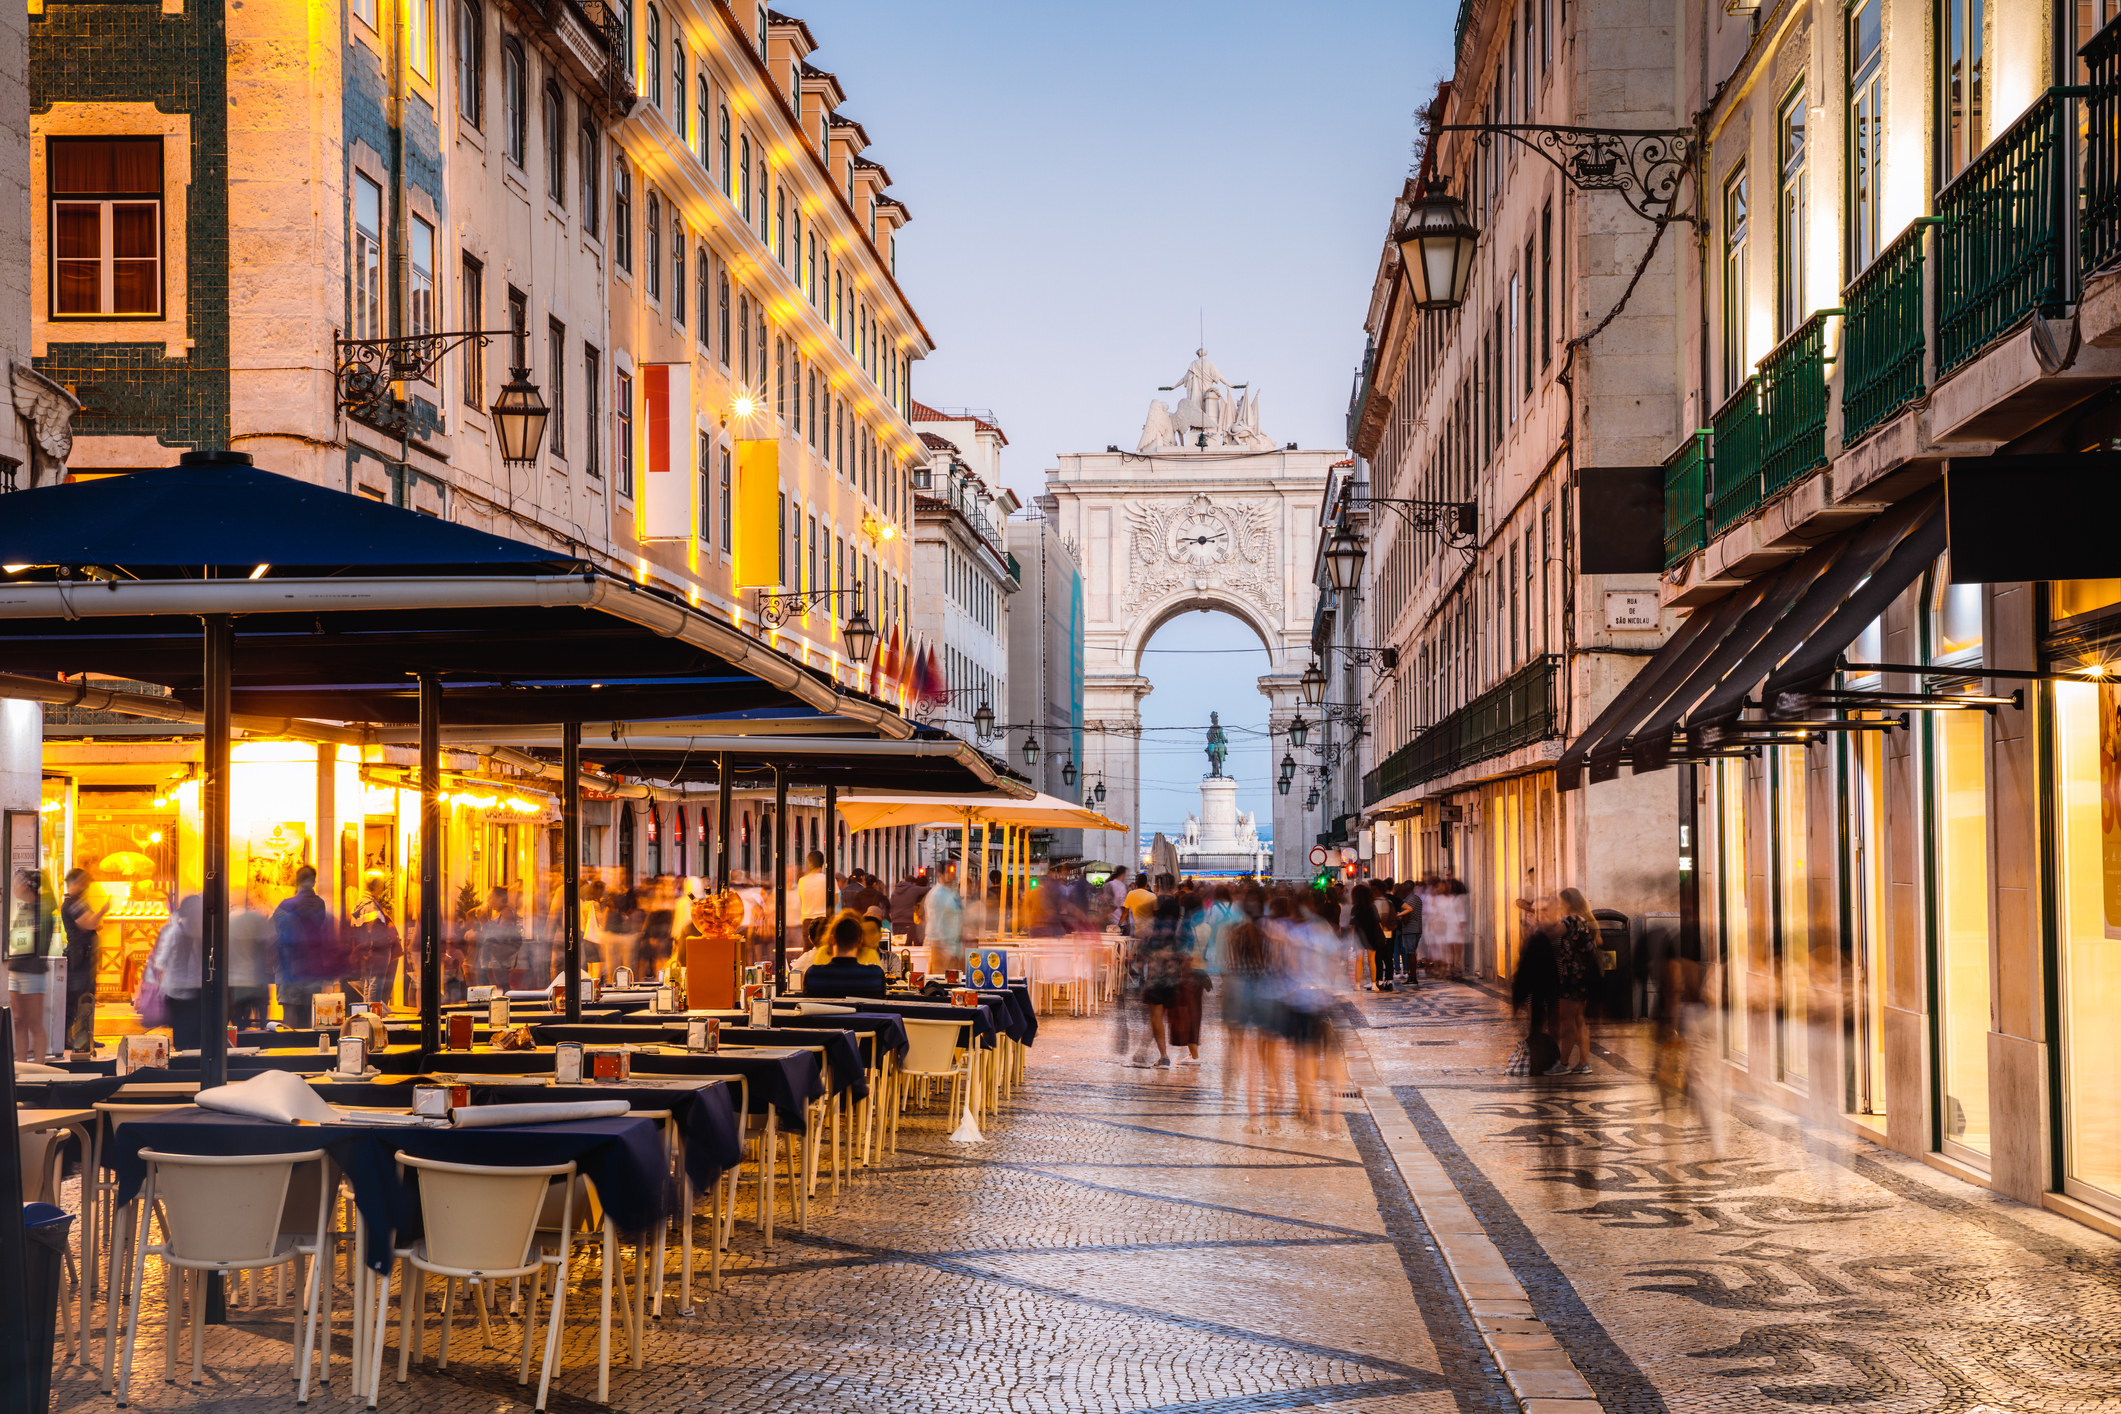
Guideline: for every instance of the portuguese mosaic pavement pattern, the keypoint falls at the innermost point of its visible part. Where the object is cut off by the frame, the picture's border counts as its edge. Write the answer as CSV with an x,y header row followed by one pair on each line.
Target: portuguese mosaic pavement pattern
x,y
1753,1263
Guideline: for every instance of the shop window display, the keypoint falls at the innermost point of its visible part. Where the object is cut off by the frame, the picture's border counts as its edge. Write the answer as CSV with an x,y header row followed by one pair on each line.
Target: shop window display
x,y
2088,914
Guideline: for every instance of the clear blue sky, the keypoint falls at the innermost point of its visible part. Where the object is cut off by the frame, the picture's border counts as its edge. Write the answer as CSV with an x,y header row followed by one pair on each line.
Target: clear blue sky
x,y
1089,181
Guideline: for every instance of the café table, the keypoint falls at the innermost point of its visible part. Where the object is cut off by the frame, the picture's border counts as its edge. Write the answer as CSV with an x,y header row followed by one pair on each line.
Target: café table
x,y
81,1124
621,1155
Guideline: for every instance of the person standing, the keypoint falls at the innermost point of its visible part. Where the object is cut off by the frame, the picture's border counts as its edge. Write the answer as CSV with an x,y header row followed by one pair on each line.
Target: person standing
x,y
1370,935
29,940
176,966
1536,986
906,909
1576,955
373,942
943,923
500,940
809,896
251,956
1409,938
311,953
80,918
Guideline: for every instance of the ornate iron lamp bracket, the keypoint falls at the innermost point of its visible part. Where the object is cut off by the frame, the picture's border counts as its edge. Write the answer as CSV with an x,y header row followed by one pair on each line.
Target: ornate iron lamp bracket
x,y
776,609
367,372
1645,165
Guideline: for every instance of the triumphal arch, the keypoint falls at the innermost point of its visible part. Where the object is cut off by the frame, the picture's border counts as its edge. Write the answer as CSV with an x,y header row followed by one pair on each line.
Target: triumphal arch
x,y
1207,513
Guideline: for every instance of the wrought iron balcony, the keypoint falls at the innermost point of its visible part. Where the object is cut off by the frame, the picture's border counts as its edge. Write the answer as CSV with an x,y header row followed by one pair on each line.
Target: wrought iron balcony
x,y
1523,708
1734,491
2001,250
1793,406
1883,336
1686,503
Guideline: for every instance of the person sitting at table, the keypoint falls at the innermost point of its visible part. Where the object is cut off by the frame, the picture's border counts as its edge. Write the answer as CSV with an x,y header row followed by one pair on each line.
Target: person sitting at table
x,y
846,975
825,930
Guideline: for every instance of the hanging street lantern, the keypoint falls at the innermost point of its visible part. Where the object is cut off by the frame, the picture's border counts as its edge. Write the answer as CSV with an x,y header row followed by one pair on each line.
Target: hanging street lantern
x,y
519,416
1282,785
1299,732
983,722
1313,683
1099,793
1068,771
1030,750
1344,559
1436,247
860,636
1288,766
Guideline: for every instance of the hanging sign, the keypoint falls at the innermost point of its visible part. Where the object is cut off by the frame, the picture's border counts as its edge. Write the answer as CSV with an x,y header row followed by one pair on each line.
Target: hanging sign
x,y
666,511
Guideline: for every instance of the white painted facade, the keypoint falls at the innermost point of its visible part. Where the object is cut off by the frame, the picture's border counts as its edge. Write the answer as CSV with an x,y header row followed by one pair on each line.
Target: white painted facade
x,y
963,574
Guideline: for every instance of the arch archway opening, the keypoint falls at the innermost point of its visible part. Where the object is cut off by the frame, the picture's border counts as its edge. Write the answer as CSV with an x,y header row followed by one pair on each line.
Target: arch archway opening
x,y
1202,659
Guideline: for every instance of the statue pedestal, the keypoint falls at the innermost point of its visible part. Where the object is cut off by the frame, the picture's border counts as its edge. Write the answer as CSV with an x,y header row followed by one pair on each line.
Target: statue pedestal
x,y
1221,847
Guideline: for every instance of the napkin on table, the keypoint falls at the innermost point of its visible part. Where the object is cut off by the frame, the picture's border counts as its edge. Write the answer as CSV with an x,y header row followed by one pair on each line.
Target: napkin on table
x,y
549,1112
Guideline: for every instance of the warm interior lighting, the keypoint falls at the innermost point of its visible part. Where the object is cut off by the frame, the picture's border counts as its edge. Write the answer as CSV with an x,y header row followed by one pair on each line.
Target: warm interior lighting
x,y
14,569
259,572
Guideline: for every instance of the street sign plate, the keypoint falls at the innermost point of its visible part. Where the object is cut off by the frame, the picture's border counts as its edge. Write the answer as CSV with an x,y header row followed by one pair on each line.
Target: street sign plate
x,y
1318,854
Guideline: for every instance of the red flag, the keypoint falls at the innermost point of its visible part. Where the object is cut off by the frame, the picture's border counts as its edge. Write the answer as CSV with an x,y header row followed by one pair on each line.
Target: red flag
x,y
937,693
890,660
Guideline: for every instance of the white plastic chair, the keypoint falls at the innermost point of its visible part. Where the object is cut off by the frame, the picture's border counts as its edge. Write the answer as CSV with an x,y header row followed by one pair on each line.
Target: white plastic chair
x,y
931,1054
481,1225
220,1214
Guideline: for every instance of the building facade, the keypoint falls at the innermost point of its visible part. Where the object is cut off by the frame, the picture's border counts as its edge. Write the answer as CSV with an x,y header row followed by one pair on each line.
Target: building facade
x,y
1892,765
328,236
964,578
1557,360
1046,668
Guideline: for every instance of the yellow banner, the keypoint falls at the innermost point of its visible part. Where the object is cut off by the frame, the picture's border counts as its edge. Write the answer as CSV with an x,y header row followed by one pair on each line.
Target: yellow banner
x,y
756,549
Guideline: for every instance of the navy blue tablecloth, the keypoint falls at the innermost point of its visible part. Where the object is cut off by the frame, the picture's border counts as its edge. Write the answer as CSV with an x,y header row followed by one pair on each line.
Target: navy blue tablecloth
x,y
979,1018
705,1116
842,1055
622,1156
887,1027
787,1083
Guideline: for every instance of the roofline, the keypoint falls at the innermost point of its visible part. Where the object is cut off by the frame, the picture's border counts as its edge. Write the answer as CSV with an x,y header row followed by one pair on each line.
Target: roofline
x,y
758,66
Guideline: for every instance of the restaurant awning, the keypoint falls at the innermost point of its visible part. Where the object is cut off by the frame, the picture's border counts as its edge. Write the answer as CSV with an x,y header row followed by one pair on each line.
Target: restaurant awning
x,y
516,632
932,761
1782,630
869,812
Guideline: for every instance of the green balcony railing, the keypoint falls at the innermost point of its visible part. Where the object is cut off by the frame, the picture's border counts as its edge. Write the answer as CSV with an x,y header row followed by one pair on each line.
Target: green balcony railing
x,y
1734,475
1686,499
2000,248
1882,335
1521,709
2099,227
1793,406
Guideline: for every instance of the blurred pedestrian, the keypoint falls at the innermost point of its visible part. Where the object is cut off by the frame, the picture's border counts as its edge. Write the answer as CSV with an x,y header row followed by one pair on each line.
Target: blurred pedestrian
x,y
1373,960
1576,953
372,943
311,953
1535,988
500,932
81,917
252,958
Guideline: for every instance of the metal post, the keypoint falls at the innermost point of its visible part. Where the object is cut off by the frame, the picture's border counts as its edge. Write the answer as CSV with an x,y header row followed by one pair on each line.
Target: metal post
x,y
780,879
1689,865
832,850
430,867
15,1377
721,831
213,801
571,865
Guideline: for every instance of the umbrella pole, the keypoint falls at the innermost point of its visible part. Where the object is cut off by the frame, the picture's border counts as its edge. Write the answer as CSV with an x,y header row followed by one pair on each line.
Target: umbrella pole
x,y
430,867
213,799
780,879
832,850
571,865
723,812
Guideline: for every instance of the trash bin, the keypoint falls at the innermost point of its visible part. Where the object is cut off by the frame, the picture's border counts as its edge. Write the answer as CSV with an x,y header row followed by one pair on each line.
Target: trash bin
x,y
44,1268
1616,956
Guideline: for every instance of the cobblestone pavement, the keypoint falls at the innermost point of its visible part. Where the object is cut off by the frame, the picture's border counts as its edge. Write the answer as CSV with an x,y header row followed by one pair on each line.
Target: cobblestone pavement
x,y
1768,1266
1126,1239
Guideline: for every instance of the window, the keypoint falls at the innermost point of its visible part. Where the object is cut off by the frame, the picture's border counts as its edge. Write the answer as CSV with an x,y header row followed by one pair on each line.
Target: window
x,y
652,61
1546,285
810,569
780,543
1734,281
764,232
1530,336
366,9
702,301
727,526
472,287
813,408
762,348
705,471
652,264
728,172
556,373
677,272
420,263
515,99
555,144
1866,133
677,87
622,439
106,226
588,165
743,148
471,61
367,261
795,229
1792,204
780,379
780,225
722,329
706,117
420,37
592,410
743,337
1966,127
519,328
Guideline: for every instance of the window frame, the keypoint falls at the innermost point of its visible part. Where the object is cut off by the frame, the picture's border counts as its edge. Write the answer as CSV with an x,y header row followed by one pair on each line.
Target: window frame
x,y
515,102
471,62
106,257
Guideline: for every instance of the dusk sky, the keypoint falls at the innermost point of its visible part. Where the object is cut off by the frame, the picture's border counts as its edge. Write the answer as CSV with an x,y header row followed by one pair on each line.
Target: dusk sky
x,y
1089,183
